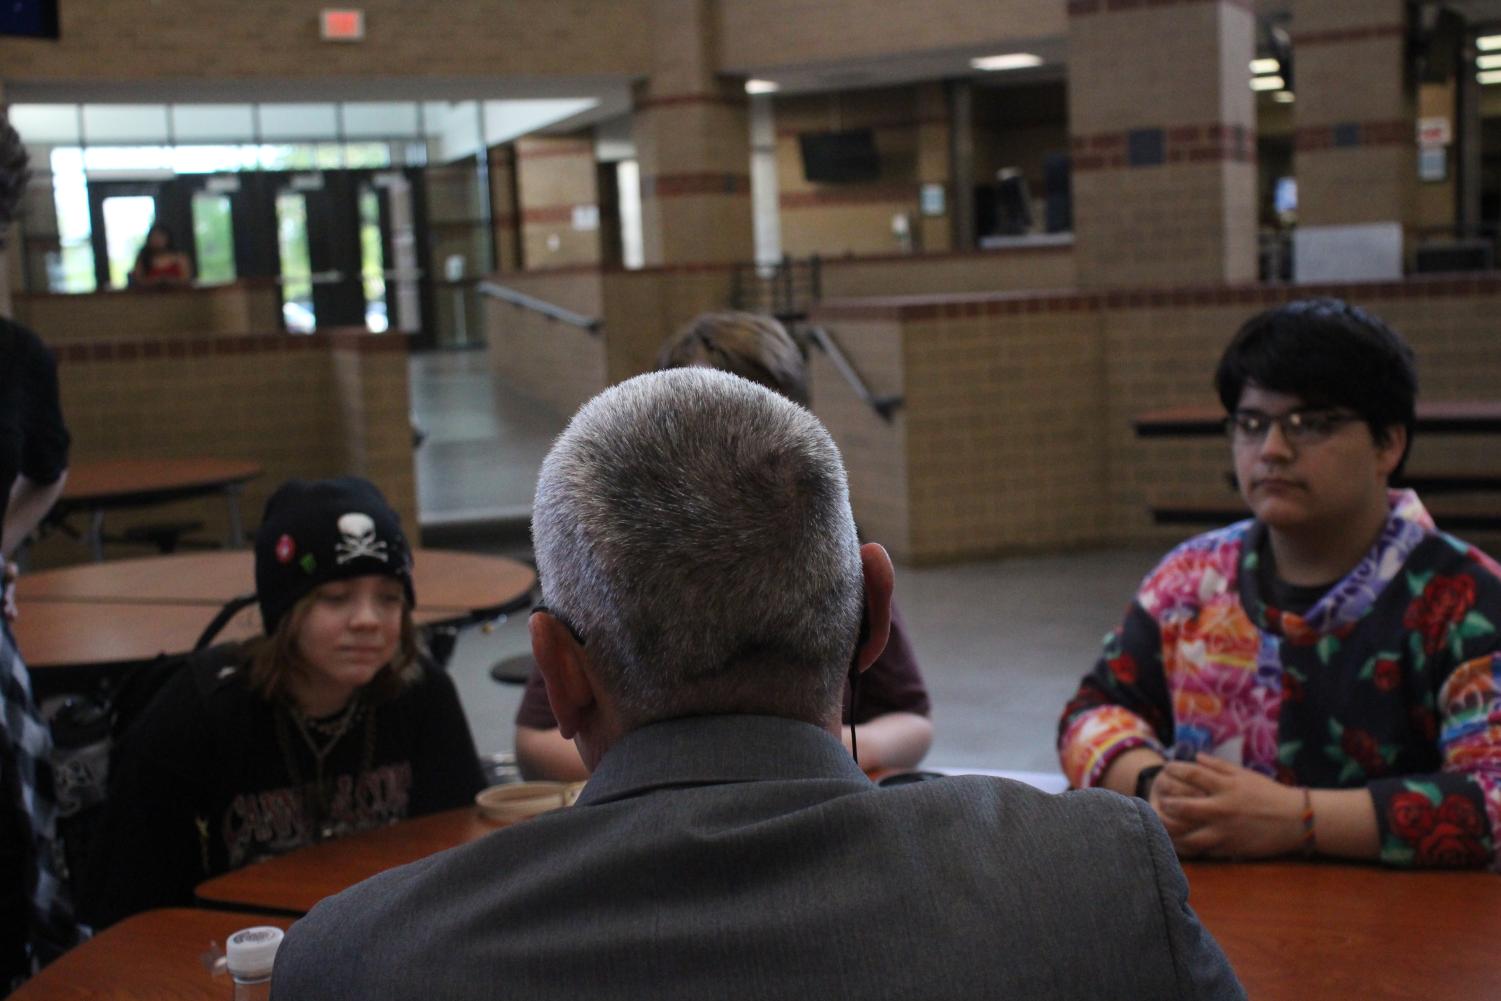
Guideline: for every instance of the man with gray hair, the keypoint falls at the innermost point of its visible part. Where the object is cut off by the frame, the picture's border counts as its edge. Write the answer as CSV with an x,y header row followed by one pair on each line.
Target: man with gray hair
x,y
705,595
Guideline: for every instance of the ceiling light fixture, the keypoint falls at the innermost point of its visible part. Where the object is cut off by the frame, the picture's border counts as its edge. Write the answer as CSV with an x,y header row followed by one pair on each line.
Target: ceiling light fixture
x,y
1488,43
1261,67
1283,97
1489,76
1489,62
1268,83
762,86
1010,61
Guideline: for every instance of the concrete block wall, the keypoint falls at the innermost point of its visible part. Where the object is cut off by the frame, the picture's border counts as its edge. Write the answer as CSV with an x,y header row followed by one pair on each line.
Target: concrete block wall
x,y
1355,144
1041,267
555,176
1163,146
1017,429
761,34
317,405
143,40
249,305
553,362
911,136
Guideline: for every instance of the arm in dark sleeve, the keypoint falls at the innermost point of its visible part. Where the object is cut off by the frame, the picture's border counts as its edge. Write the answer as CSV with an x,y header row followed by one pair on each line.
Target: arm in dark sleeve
x,y
894,682
44,436
445,765
150,850
1121,704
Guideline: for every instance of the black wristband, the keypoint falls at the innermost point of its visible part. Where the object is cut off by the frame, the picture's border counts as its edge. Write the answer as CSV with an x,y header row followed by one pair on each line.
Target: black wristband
x,y
1144,780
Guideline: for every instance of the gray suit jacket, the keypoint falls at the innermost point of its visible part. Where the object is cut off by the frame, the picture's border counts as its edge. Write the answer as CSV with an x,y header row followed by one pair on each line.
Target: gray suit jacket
x,y
748,857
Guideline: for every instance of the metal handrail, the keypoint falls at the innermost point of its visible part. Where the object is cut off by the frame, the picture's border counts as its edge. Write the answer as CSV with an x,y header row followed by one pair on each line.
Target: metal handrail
x,y
884,406
518,298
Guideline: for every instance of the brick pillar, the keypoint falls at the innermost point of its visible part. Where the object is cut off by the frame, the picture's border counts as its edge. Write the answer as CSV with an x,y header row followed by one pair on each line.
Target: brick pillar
x,y
558,190
1162,125
1356,152
692,134
505,208
936,165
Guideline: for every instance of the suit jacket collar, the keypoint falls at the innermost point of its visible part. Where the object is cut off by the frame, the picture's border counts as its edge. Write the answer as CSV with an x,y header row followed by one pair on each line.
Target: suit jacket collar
x,y
711,750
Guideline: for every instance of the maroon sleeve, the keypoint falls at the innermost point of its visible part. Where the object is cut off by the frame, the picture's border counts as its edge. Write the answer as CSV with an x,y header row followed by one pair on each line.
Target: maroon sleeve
x,y
535,711
894,683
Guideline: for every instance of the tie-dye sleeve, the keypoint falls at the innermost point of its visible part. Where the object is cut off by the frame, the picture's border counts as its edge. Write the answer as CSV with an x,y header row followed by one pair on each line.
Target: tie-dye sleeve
x,y
1121,704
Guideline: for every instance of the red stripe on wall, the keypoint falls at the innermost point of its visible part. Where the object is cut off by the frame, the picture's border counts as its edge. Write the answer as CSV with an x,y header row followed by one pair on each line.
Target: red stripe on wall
x,y
1394,132
701,183
864,194
1341,35
172,348
580,150
1084,8
1216,142
547,215
677,100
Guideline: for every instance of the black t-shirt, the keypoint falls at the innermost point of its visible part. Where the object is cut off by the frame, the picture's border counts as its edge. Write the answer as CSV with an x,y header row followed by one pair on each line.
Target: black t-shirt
x,y
213,777
33,438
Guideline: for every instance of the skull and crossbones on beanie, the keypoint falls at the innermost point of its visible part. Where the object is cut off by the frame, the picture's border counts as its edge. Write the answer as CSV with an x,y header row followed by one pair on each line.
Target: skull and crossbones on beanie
x,y
316,531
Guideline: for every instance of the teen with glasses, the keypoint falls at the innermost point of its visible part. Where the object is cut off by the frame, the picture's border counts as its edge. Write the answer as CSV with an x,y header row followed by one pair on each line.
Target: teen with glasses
x,y
1323,677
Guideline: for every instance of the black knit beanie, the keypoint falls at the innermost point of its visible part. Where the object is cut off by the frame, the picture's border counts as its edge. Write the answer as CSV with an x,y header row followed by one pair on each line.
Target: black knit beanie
x,y
315,531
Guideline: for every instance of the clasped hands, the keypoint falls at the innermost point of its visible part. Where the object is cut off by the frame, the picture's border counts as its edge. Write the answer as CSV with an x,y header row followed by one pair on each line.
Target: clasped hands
x,y
1214,809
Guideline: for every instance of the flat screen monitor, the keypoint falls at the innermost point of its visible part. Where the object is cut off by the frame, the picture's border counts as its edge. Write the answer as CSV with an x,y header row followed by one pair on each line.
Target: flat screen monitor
x,y
840,157
29,18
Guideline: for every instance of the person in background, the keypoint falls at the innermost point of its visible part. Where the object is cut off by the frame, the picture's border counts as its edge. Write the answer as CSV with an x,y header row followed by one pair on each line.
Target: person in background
x,y
1326,676
893,708
695,639
331,722
36,917
160,264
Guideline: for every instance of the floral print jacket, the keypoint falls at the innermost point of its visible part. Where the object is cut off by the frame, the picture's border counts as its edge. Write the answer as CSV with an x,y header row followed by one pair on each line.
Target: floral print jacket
x,y
1391,681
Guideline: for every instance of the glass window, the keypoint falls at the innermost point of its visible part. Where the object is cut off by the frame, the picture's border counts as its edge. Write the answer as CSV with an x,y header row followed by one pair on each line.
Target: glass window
x,y
373,262
296,264
214,238
127,219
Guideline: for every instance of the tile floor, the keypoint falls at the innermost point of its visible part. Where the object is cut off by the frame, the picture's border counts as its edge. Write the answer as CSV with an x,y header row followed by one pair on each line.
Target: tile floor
x,y
1001,642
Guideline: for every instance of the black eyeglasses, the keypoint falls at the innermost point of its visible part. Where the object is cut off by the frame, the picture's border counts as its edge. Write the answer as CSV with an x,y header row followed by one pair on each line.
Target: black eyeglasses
x,y
578,637
1301,427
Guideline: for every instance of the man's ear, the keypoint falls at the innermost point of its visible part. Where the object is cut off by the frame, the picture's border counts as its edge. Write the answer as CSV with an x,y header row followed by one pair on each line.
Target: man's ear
x,y
880,580
560,659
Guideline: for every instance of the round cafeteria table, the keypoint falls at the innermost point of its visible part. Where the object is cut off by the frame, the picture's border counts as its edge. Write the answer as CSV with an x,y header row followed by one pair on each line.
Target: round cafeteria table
x,y
151,956
116,484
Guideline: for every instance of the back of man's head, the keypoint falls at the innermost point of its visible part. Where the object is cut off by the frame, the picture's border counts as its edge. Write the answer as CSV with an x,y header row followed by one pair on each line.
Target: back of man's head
x,y
695,529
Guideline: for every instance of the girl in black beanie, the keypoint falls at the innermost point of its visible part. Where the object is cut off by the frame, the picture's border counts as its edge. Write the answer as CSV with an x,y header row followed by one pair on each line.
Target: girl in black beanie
x,y
329,723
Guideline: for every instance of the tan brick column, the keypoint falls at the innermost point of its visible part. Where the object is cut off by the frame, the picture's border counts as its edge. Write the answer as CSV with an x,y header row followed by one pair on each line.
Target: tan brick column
x,y
505,208
558,190
1356,152
1163,135
692,134
935,165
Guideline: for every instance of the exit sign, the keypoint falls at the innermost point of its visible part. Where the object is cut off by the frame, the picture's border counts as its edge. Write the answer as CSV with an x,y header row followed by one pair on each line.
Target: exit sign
x,y
343,25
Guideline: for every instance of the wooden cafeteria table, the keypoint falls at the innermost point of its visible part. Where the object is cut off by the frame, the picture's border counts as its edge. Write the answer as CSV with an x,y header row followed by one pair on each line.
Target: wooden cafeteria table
x,y
126,611
152,956
111,484
294,882
1293,930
